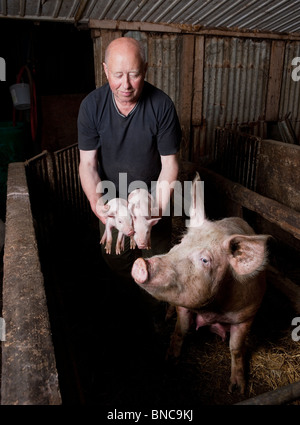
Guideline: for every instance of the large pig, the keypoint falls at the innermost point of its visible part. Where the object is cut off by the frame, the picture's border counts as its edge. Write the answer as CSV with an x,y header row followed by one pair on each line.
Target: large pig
x,y
118,216
140,203
215,274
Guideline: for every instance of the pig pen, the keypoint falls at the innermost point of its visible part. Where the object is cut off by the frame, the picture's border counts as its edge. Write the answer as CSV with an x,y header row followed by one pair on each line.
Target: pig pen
x,y
104,340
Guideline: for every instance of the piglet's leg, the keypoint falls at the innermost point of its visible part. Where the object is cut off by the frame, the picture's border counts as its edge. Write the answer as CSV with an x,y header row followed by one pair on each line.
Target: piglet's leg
x,y
238,335
103,239
132,243
120,243
108,239
183,323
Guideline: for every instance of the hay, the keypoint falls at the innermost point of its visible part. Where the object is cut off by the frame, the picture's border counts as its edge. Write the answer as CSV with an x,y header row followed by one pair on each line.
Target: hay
x,y
275,365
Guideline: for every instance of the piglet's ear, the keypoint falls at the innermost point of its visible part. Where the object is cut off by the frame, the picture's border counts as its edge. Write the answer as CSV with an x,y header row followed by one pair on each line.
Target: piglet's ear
x,y
153,221
102,209
247,254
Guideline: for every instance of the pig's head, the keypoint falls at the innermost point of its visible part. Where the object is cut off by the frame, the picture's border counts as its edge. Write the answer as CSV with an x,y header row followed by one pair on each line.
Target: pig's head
x,y
140,203
117,210
212,258
142,231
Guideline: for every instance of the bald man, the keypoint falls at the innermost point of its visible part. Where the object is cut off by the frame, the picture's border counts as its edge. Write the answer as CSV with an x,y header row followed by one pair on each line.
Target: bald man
x,y
128,132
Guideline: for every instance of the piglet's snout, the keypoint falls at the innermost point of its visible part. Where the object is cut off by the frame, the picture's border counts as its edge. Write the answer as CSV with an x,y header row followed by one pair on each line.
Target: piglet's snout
x,y
139,271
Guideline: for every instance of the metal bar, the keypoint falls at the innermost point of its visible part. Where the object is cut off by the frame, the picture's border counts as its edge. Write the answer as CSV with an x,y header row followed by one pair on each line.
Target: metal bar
x,y
279,396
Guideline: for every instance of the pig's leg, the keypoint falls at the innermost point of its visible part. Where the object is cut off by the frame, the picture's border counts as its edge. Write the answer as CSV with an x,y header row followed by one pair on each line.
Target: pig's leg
x,y
238,335
171,309
103,239
108,238
132,243
183,323
120,243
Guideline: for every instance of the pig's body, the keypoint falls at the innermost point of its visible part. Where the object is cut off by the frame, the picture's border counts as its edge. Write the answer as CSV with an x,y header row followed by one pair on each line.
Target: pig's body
x,y
215,274
118,216
140,203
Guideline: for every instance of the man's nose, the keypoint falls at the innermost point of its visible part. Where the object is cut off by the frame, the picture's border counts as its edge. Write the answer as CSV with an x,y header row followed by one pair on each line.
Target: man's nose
x,y
126,81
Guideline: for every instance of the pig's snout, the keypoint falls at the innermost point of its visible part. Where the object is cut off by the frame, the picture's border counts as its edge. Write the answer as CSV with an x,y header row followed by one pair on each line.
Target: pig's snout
x,y
130,232
139,271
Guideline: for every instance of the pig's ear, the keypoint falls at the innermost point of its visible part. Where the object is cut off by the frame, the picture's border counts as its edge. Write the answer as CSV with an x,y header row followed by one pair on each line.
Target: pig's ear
x,y
247,254
153,221
197,213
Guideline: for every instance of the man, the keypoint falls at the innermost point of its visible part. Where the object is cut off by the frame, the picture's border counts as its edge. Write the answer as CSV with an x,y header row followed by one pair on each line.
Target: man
x,y
128,129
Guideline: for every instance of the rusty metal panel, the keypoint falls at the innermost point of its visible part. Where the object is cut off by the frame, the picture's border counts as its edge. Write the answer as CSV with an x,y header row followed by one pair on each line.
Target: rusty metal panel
x,y
164,62
235,82
264,15
290,89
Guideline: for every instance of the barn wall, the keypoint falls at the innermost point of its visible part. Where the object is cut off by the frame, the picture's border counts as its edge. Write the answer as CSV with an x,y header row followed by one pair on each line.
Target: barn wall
x,y
216,80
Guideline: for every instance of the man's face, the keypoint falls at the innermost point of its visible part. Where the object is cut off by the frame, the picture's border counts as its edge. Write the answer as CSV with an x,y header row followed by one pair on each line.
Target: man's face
x,y
125,72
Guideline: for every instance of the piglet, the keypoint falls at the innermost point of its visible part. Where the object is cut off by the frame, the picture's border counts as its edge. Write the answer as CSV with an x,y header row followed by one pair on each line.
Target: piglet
x,y
140,203
118,216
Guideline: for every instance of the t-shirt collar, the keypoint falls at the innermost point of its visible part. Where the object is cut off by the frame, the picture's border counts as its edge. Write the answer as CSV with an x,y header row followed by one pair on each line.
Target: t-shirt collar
x,y
117,109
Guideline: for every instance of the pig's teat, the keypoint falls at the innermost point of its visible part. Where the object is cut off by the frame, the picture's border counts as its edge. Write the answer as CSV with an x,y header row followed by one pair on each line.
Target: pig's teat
x,y
139,271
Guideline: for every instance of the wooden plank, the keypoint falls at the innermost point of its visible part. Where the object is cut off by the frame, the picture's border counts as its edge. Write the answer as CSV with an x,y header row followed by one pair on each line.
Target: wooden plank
x,y
274,212
101,40
186,92
198,147
187,29
278,174
198,80
29,375
284,217
275,78
132,26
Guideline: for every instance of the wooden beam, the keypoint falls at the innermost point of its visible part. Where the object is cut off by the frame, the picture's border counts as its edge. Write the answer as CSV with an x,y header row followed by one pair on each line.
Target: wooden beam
x,y
188,29
198,146
284,217
186,92
275,78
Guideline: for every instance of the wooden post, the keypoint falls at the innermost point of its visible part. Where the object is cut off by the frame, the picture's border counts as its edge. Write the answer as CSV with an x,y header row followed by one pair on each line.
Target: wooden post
x,y
198,148
275,78
186,89
101,40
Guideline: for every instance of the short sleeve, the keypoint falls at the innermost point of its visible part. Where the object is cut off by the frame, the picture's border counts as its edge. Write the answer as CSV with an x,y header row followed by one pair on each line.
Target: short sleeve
x,y
169,131
88,137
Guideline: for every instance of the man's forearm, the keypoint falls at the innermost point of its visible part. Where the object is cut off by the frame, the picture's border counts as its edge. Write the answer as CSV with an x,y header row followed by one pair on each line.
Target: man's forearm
x,y
90,182
165,183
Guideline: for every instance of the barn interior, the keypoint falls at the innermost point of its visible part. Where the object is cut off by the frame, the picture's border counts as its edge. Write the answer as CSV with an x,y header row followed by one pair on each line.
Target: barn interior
x,y
75,334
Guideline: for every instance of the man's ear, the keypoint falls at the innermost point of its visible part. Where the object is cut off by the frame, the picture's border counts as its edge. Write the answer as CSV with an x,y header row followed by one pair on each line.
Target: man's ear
x,y
145,68
105,69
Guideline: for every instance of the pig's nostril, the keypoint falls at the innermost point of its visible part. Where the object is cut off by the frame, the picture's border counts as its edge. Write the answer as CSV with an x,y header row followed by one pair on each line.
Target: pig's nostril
x,y
139,271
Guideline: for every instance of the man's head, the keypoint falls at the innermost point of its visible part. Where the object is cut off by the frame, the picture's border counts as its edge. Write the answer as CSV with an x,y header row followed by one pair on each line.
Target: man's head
x,y
125,68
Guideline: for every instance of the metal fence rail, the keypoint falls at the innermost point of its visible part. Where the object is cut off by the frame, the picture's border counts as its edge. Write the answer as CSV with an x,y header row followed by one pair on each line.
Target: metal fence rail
x,y
236,156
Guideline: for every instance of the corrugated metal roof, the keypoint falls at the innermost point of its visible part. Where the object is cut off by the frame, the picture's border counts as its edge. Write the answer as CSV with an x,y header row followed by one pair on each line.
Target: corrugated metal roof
x,y
280,16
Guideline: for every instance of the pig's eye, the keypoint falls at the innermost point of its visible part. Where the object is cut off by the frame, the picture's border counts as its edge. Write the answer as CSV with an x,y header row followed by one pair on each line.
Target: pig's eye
x,y
204,260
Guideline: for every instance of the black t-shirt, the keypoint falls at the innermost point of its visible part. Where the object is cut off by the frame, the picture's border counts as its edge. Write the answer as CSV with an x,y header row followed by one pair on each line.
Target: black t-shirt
x,y
129,144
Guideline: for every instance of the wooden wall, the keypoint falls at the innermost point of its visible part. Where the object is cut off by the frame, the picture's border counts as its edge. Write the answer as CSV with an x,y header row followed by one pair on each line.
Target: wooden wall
x,y
214,78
